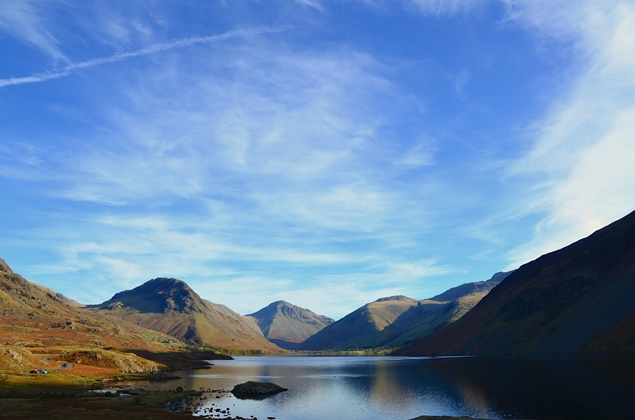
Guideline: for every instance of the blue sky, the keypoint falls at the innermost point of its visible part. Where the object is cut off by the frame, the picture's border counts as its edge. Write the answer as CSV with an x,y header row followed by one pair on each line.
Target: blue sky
x,y
327,153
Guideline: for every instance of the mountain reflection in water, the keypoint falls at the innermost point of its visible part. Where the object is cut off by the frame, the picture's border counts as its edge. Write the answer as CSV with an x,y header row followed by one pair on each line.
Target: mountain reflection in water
x,y
404,388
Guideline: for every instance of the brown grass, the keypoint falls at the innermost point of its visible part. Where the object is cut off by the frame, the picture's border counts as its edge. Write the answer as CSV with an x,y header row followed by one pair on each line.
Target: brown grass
x,y
64,403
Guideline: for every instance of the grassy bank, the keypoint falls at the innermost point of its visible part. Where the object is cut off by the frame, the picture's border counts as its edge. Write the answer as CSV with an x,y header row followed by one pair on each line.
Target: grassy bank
x,y
58,383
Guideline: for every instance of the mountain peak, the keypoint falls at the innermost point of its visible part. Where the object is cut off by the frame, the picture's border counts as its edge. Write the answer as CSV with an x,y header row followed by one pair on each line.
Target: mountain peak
x,y
170,306
396,297
286,324
157,296
4,267
166,282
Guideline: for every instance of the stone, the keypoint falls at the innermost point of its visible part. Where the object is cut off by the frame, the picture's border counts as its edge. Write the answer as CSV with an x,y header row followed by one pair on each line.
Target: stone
x,y
256,390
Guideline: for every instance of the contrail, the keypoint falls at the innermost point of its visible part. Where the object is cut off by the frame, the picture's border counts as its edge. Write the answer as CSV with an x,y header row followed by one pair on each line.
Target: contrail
x,y
164,46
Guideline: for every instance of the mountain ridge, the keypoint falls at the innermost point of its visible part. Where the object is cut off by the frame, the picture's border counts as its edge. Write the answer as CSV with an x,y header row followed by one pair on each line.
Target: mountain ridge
x,y
170,306
394,321
577,300
40,327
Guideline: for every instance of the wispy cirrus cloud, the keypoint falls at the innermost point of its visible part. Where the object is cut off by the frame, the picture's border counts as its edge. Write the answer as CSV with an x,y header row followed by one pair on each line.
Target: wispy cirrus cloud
x,y
333,294
580,161
427,7
286,134
153,49
270,156
444,7
315,4
130,249
25,21
304,166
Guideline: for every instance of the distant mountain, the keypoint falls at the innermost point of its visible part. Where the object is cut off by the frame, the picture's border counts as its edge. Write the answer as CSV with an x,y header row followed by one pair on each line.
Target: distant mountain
x,y
287,325
170,306
577,300
398,320
362,328
467,289
432,314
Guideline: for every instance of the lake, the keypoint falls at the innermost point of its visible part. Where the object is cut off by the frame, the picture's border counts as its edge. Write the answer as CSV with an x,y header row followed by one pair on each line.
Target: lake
x,y
404,388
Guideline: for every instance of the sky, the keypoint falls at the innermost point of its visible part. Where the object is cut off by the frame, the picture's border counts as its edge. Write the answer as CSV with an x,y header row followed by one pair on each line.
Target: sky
x,y
326,153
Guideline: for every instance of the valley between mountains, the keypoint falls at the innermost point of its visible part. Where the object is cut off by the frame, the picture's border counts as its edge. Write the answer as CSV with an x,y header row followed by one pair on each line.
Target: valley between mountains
x,y
579,300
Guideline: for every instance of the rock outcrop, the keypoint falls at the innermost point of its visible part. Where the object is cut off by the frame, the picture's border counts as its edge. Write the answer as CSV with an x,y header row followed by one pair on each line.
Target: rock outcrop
x,y
256,390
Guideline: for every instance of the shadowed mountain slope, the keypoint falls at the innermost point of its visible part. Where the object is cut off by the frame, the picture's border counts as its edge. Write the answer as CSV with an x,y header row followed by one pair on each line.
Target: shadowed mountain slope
x,y
467,289
362,328
398,320
577,300
172,307
432,314
287,325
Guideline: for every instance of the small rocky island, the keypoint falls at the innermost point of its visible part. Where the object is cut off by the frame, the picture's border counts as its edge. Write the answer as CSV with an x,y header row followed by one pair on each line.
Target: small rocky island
x,y
256,390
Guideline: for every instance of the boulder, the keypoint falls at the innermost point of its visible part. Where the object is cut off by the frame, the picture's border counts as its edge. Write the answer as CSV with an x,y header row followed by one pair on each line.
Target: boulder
x,y
256,390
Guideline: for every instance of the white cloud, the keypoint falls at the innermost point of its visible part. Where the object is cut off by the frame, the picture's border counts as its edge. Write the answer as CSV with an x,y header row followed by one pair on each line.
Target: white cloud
x,y
317,296
296,138
443,7
153,49
315,4
581,162
271,153
427,7
334,295
599,189
23,20
421,154
268,155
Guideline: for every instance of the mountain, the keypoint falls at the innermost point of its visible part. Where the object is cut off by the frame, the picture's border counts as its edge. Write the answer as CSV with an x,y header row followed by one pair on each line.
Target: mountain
x,y
432,314
170,306
38,326
467,289
579,300
398,320
33,315
286,325
363,328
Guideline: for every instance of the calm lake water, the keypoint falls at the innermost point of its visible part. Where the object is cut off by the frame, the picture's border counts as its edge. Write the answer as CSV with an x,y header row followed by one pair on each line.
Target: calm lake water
x,y
404,388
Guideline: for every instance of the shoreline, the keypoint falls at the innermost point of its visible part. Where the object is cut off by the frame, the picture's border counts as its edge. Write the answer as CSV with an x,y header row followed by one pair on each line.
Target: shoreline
x,y
81,402
78,403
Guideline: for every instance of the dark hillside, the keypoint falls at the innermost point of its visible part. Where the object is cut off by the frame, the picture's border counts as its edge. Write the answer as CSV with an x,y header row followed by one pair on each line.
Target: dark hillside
x,y
398,320
577,300
365,327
